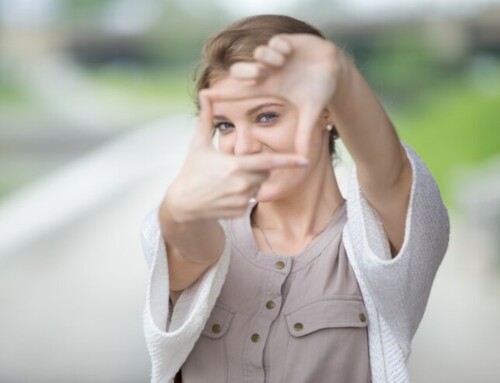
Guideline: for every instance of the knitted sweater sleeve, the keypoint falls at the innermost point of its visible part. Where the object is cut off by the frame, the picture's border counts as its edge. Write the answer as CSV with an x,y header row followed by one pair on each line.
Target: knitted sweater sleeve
x,y
171,335
400,286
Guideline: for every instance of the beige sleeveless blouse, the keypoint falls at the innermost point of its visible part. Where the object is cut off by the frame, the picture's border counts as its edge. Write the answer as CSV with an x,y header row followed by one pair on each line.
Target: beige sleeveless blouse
x,y
287,319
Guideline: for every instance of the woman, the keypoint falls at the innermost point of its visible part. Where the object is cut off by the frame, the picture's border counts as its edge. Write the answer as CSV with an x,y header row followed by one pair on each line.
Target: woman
x,y
272,275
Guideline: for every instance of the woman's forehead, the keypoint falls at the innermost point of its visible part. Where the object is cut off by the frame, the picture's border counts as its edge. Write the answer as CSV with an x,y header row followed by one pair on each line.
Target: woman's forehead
x,y
245,105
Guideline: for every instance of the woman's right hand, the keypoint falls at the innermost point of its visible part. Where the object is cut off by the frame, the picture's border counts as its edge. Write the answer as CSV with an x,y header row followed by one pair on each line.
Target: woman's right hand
x,y
213,185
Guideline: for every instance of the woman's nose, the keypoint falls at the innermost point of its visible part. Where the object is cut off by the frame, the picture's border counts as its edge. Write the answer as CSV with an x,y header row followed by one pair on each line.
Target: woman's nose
x,y
246,143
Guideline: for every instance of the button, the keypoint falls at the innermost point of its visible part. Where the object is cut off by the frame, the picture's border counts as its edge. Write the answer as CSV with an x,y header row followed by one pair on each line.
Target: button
x,y
270,305
216,328
255,338
279,264
298,326
362,317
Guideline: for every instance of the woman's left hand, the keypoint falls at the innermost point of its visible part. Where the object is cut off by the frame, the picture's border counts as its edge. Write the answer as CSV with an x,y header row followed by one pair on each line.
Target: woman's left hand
x,y
302,68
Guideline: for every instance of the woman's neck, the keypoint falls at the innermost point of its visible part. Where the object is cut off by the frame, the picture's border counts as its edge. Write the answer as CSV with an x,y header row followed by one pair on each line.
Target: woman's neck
x,y
306,211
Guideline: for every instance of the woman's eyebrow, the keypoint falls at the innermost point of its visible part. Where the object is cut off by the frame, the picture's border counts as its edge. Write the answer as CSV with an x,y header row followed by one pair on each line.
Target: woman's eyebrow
x,y
265,105
251,111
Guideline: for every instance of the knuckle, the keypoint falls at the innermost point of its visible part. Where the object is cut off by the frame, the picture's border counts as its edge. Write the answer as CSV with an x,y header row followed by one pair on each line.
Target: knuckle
x,y
259,51
241,186
203,95
242,202
278,38
238,203
241,210
334,55
333,51
233,167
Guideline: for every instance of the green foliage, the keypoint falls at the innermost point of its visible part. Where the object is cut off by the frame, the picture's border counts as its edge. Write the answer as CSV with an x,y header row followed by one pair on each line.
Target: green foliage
x,y
86,6
10,93
454,125
449,114
399,58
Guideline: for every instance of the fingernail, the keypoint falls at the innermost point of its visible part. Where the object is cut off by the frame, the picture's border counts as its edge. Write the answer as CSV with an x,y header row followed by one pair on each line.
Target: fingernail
x,y
275,57
283,46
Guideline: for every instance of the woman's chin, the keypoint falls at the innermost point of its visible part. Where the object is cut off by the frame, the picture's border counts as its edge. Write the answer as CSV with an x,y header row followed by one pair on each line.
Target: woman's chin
x,y
268,193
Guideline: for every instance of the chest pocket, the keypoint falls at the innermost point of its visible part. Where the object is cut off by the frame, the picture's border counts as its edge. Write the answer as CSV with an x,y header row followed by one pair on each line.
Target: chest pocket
x,y
330,337
331,313
208,360
218,322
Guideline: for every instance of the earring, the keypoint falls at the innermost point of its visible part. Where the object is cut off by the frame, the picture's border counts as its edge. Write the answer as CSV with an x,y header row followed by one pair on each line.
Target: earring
x,y
329,127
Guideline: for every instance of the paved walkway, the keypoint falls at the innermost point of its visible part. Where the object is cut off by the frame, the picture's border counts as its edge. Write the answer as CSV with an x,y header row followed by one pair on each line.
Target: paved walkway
x,y
458,340
72,298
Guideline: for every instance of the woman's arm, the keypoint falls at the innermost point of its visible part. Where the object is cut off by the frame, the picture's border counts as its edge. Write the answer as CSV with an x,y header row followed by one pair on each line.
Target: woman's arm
x,y
192,247
314,74
399,287
383,169
210,186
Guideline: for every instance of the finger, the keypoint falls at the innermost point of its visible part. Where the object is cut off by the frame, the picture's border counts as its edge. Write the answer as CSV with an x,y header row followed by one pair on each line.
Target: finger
x,y
308,119
269,56
249,71
255,191
266,162
233,201
205,124
255,179
281,44
238,92
231,212
242,90
243,184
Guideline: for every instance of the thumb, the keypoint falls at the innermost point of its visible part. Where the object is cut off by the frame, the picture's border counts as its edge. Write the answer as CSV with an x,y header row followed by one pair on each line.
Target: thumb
x,y
204,130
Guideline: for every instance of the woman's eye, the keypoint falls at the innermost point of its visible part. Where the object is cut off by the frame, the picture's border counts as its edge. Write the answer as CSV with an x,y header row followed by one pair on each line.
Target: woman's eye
x,y
223,127
267,117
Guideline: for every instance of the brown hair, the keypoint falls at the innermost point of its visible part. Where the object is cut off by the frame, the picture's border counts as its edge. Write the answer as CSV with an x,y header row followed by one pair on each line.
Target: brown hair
x,y
237,42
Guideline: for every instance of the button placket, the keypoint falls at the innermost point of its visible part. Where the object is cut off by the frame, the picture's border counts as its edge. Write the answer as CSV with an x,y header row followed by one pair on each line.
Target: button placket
x,y
261,327
279,265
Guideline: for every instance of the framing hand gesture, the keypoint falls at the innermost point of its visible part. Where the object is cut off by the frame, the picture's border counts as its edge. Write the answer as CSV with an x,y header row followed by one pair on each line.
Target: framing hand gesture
x,y
302,68
214,185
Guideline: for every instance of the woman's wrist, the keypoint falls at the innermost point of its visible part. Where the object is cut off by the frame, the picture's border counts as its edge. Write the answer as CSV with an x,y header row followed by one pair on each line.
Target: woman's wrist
x,y
343,71
172,212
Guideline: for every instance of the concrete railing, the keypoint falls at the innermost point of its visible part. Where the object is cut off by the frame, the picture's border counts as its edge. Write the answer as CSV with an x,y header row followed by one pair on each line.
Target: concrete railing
x,y
65,195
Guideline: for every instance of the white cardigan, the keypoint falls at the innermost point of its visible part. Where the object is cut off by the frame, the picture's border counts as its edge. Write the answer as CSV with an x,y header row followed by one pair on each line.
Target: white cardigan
x,y
395,290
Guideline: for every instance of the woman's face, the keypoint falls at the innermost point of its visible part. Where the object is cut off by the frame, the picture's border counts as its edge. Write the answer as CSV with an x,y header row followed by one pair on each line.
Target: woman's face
x,y
266,125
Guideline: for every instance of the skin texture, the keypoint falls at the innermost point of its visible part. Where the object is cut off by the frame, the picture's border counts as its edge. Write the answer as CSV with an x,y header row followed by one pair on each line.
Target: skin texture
x,y
273,129
260,155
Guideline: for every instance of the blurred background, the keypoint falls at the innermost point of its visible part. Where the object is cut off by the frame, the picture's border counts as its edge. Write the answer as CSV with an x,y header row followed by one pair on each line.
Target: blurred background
x,y
95,113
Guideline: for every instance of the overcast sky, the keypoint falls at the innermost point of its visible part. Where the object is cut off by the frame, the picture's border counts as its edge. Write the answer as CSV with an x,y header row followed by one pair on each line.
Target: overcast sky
x,y
33,11
379,8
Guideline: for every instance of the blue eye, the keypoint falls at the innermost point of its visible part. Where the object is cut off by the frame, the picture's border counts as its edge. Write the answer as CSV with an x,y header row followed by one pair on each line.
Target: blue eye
x,y
267,117
223,127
